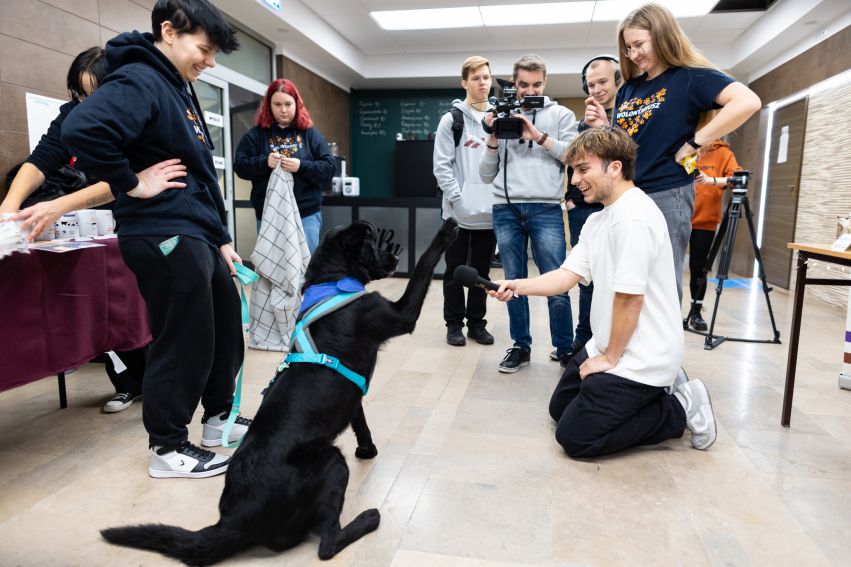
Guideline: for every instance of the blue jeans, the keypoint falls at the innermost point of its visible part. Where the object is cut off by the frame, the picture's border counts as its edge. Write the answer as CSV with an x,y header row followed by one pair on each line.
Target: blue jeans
x,y
312,226
576,218
677,206
543,224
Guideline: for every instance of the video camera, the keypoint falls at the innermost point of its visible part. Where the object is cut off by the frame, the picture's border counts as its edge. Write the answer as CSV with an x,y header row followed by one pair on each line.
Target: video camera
x,y
738,182
506,126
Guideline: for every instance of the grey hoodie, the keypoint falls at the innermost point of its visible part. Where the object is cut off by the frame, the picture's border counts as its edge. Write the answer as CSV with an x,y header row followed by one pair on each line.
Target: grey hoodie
x,y
465,197
534,174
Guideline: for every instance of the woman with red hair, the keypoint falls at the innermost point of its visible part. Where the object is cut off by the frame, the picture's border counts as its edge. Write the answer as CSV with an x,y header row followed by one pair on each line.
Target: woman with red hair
x,y
284,136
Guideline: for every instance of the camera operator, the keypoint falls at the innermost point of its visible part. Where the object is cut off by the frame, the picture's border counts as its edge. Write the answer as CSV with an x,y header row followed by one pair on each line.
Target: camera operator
x,y
600,80
716,164
528,179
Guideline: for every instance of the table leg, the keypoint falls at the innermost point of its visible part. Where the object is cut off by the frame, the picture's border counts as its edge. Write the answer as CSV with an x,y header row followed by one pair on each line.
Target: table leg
x,y
63,398
792,360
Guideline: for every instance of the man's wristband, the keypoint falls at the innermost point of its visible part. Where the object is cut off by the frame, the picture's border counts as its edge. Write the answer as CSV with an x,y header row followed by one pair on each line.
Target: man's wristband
x,y
492,147
542,139
693,144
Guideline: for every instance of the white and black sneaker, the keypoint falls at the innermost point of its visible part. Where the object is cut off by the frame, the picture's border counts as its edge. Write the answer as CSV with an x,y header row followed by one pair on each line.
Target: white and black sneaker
x,y
186,461
214,426
120,402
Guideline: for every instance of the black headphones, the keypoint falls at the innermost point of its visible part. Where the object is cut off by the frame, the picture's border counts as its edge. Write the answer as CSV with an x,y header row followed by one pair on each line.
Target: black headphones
x,y
603,57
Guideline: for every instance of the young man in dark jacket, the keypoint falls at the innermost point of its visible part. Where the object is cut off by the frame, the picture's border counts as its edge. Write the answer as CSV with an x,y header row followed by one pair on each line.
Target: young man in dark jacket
x,y
175,241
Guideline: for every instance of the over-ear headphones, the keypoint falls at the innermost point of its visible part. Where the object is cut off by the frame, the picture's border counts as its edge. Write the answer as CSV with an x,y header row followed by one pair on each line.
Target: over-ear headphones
x,y
602,57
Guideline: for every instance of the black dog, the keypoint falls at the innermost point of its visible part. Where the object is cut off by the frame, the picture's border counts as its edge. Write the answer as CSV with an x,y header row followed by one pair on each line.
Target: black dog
x,y
288,479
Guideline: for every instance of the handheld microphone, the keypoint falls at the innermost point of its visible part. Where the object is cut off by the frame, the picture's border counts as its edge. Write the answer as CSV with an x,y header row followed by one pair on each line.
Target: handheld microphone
x,y
469,277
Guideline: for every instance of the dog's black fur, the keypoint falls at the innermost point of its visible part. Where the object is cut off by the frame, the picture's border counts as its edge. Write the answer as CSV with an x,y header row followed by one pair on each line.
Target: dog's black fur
x,y
287,478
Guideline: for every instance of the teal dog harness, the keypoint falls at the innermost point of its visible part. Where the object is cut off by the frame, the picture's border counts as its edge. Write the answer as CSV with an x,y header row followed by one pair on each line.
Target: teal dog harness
x,y
305,348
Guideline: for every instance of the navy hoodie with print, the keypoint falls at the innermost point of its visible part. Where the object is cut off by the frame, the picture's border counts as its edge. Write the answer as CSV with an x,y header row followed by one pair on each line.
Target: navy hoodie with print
x,y
142,114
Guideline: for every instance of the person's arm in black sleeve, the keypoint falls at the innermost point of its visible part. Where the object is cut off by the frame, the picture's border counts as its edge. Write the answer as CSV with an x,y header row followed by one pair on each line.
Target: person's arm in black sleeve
x,y
104,123
319,167
251,159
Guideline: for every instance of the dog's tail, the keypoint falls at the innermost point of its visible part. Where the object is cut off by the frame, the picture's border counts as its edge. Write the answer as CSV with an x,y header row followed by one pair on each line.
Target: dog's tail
x,y
204,547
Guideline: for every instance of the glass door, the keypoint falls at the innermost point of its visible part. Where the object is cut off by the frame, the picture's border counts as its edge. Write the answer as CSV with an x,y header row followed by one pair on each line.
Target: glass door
x,y
213,97
243,106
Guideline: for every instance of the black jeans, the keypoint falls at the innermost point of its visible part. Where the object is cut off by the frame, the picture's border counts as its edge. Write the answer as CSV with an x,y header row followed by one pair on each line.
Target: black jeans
x,y
576,218
699,244
196,324
472,248
605,413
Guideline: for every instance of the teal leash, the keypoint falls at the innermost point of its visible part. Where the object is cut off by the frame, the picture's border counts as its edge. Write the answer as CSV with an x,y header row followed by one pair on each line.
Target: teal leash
x,y
246,277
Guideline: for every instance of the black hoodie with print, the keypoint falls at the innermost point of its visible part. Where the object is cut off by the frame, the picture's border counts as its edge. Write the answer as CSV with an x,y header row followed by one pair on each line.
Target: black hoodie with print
x,y
142,114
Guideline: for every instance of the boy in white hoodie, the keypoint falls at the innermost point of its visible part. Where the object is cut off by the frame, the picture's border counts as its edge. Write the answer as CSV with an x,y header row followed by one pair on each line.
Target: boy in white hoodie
x,y
456,166
528,188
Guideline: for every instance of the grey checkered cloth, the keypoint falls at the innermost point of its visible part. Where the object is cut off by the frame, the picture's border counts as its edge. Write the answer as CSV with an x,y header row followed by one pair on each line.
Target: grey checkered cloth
x,y
280,258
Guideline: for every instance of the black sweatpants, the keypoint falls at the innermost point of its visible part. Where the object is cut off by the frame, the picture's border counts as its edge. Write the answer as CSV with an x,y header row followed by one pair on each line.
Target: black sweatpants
x,y
472,248
130,380
606,413
699,244
196,324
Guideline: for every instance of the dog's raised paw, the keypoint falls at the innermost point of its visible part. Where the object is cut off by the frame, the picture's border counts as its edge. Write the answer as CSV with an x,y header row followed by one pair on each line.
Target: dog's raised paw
x,y
448,232
366,452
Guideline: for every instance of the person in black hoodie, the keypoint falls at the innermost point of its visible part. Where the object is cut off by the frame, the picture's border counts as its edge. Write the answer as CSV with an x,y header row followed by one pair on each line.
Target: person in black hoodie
x,y
284,135
176,242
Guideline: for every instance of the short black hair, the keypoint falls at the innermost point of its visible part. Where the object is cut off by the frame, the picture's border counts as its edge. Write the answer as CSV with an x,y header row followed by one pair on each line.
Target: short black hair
x,y
192,16
90,61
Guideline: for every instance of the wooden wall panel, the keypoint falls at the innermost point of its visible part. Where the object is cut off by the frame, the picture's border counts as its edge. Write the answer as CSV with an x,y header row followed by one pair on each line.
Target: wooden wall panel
x,y
820,62
327,103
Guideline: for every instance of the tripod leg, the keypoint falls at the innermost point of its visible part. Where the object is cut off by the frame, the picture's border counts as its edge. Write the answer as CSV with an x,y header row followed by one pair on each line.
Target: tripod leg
x,y
761,270
731,223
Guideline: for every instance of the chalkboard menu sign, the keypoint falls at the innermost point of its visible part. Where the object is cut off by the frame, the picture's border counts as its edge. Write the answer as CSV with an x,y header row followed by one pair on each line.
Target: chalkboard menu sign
x,y
379,119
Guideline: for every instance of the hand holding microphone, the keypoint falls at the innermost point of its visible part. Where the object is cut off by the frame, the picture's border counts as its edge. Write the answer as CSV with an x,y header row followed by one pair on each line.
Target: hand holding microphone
x,y
469,277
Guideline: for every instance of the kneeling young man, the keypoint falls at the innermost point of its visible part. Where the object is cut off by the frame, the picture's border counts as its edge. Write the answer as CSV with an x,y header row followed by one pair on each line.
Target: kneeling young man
x,y
614,394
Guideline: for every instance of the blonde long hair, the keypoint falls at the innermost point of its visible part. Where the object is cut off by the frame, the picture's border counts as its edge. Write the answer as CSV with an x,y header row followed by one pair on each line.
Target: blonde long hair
x,y
670,44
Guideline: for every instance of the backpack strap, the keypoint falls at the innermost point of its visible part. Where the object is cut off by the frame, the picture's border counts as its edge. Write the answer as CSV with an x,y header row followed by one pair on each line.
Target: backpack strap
x,y
457,124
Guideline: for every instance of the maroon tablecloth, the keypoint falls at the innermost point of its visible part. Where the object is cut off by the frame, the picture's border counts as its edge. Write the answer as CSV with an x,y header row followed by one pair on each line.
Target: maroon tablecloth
x,y
58,311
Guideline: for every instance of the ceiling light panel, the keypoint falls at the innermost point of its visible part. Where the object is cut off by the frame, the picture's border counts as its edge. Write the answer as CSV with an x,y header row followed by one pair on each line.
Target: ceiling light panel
x,y
537,14
429,19
616,10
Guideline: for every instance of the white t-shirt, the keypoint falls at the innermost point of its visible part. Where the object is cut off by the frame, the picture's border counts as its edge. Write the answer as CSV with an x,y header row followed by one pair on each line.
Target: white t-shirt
x,y
626,248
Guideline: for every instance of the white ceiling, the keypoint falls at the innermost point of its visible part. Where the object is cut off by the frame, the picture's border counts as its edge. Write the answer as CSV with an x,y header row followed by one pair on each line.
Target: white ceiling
x,y
338,40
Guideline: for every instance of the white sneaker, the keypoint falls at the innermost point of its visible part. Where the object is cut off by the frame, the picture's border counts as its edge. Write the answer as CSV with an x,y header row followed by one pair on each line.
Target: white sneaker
x,y
700,419
681,379
120,402
211,436
186,461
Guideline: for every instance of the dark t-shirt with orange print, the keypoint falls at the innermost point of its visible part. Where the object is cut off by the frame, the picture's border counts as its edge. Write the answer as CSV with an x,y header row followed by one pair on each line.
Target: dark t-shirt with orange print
x,y
661,115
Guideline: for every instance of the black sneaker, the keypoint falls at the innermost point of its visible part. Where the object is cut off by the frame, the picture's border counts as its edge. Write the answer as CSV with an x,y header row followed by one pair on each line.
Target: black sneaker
x,y
455,335
480,335
496,261
120,402
564,358
696,319
516,357
186,461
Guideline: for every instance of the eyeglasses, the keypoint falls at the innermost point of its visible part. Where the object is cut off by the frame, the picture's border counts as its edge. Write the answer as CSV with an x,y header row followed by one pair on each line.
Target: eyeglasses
x,y
637,48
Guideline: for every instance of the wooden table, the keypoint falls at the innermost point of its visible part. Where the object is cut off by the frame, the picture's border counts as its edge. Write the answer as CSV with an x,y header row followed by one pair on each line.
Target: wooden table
x,y
806,251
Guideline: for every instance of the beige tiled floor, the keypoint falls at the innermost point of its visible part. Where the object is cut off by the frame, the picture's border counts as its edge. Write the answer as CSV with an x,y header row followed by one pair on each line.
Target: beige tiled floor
x,y
468,473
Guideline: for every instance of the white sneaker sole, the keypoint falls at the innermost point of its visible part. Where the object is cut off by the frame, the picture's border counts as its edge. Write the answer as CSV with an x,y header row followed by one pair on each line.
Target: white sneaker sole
x,y
217,442
156,473
714,426
512,370
116,408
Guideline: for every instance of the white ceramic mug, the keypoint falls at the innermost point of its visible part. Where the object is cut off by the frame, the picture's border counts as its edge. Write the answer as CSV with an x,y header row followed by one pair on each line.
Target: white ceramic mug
x,y
67,226
106,223
87,220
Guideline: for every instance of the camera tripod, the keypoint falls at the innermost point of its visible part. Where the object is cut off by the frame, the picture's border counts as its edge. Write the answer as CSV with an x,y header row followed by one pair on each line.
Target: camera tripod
x,y
723,241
